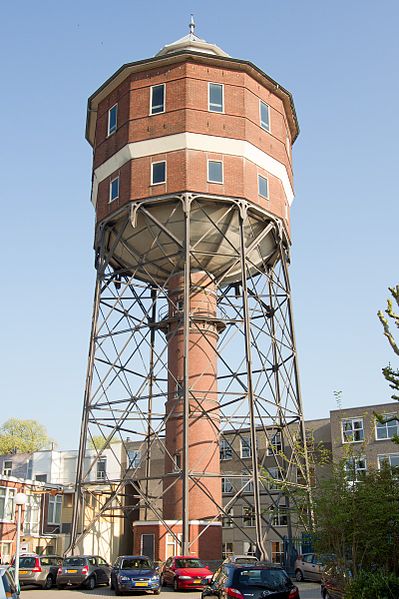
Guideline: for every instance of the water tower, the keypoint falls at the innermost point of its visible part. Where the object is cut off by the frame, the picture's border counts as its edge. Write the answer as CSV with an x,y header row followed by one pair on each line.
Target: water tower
x,y
192,343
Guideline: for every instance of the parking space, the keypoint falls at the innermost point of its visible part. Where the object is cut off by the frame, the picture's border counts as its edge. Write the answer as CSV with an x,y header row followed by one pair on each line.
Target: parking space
x,y
308,590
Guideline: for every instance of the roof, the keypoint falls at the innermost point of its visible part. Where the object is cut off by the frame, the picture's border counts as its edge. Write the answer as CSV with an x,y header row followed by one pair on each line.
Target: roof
x,y
192,42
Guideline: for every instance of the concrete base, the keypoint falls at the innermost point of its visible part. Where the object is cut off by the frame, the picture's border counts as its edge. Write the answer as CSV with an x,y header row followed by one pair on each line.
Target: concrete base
x,y
205,539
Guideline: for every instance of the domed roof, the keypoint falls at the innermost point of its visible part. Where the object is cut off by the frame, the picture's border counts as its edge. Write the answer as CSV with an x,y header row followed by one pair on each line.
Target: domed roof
x,y
192,42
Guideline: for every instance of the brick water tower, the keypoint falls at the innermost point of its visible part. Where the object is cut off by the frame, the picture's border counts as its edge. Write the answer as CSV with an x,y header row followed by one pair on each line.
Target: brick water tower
x,y
192,348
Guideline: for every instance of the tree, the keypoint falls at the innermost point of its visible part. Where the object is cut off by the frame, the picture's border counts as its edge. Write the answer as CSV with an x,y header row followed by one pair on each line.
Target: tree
x,y
358,520
392,318
23,436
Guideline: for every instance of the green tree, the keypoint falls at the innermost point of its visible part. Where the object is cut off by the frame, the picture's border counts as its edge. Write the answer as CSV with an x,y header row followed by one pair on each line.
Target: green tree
x,y
390,318
358,520
23,436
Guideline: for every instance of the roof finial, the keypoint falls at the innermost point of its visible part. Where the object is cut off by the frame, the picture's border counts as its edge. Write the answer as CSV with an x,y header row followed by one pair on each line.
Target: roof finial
x,y
192,25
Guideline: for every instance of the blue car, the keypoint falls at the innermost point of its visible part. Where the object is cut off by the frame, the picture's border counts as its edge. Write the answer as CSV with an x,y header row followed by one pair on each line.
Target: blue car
x,y
135,573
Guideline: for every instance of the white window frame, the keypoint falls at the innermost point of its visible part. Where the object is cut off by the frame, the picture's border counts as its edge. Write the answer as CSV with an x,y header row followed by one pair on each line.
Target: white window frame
x,y
353,467
386,424
227,550
227,521
133,461
7,468
264,126
32,515
266,197
152,172
164,99
246,478
209,97
245,448
101,460
227,486
226,450
386,457
275,447
279,516
109,131
53,502
270,484
352,420
277,552
248,514
209,180
117,178
9,507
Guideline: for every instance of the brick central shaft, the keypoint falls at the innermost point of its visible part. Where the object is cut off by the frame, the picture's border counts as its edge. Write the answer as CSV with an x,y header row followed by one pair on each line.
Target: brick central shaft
x,y
203,422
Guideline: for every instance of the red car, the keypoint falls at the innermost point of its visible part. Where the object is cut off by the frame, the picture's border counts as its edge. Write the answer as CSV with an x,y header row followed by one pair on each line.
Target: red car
x,y
185,572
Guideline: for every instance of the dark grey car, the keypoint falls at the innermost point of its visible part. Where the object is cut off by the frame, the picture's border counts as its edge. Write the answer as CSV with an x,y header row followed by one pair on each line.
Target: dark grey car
x,y
85,570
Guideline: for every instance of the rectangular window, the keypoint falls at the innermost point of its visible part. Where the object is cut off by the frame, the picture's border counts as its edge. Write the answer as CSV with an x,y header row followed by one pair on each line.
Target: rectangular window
x,y
277,552
157,99
215,92
246,482
227,550
101,468
7,504
274,475
54,509
264,116
215,171
7,468
245,447
275,444
133,458
32,515
392,459
249,548
227,487
29,469
352,430
248,516
279,516
114,189
227,521
355,467
226,451
263,187
177,462
387,430
41,478
112,119
158,172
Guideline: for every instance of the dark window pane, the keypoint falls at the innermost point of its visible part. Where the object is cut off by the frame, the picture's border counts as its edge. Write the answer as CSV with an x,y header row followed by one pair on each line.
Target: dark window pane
x,y
158,172
215,97
112,119
157,99
215,171
264,116
114,193
263,187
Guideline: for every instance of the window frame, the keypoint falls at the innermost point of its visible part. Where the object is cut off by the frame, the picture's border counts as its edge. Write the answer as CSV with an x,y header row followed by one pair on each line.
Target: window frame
x,y
210,83
248,516
274,448
267,196
353,469
209,180
385,456
265,126
133,462
352,420
111,199
113,130
225,449
247,446
152,172
9,504
53,502
386,425
152,113
101,460
7,468
227,486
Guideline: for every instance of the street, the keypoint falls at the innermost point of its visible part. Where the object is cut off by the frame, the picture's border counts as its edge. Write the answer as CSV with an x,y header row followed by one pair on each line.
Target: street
x,y
308,590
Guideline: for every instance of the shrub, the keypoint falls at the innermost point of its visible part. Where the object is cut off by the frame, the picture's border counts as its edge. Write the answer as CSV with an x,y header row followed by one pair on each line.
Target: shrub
x,y
373,585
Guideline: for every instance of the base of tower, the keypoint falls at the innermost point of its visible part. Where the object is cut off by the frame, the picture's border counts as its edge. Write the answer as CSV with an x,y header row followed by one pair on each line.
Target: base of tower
x,y
154,539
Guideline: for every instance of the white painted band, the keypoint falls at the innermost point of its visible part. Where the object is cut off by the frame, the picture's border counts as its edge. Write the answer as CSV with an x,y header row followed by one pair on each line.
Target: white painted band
x,y
193,141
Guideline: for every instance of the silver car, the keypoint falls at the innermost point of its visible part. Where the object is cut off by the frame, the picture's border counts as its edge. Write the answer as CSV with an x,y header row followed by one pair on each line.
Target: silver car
x,y
39,570
308,567
85,570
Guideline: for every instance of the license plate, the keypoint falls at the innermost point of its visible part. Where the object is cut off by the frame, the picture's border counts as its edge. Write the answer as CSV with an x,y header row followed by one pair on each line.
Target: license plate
x,y
71,571
141,584
23,571
197,580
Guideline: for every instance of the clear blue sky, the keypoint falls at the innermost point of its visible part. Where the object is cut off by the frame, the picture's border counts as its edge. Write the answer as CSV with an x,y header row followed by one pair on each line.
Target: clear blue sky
x,y
339,59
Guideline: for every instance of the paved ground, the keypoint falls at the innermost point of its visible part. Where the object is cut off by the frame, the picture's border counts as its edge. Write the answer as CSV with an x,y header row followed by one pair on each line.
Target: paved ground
x,y
308,590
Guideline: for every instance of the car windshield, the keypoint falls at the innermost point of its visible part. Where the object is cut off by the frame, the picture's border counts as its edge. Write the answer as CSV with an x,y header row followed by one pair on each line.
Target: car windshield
x,y
189,563
131,563
74,561
27,562
273,579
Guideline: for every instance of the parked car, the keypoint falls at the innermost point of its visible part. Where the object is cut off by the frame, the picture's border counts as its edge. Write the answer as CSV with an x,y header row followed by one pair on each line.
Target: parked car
x,y
38,570
237,581
85,570
334,581
135,573
241,559
185,572
308,566
8,588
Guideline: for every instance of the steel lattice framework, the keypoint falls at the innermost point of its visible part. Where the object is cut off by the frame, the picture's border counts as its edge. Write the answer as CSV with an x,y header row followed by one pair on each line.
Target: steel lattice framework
x,y
258,394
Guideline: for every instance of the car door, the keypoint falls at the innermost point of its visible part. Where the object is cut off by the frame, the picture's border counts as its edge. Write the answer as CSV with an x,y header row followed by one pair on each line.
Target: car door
x,y
105,567
167,572
308,567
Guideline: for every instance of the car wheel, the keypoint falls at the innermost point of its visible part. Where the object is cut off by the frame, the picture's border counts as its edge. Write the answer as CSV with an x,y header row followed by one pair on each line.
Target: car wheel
x,y
175,585
90,583
48,583
117,590
157,592
60,587
298,576
112,584
162,581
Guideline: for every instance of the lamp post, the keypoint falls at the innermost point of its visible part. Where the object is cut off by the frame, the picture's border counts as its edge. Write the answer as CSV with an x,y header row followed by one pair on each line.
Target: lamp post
x,y
20,500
